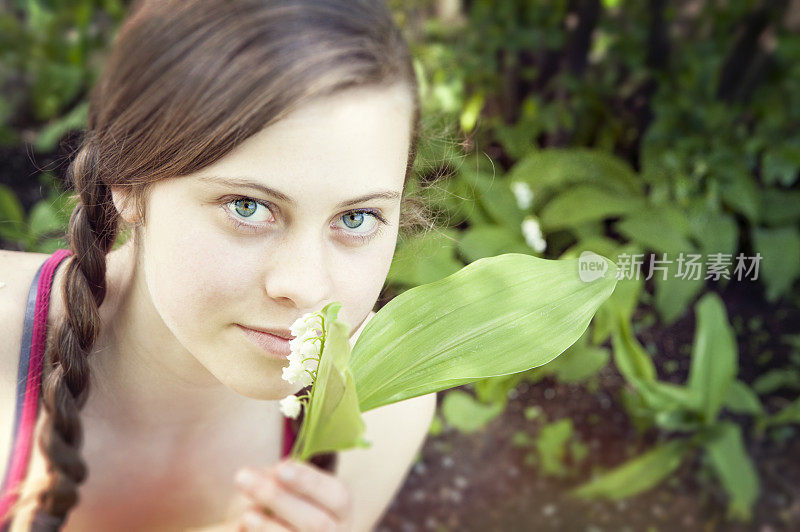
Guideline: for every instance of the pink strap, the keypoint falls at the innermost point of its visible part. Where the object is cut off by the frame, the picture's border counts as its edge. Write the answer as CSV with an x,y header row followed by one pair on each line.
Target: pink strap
x,y
22,446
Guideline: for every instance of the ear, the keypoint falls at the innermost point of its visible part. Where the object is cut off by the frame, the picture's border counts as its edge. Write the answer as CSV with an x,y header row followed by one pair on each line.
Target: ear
x,y
125,205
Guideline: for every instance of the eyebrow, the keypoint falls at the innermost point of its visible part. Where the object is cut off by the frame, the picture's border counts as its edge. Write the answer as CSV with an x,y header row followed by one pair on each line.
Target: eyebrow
x,y
386,194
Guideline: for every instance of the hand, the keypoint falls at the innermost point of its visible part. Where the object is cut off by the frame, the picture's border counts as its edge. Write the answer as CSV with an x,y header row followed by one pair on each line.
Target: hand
x,y
307,499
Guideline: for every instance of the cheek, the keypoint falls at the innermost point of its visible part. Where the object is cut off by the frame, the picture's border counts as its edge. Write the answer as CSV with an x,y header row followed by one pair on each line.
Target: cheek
x,y
190,280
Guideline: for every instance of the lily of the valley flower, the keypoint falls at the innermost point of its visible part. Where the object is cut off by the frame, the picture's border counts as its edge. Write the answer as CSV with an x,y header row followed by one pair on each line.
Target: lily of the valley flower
x,y
290,406
533,234
303,358
523,194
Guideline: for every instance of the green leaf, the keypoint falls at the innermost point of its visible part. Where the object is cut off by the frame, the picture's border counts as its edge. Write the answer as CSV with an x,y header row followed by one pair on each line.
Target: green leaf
x,y
579,362
740,399
734,468
44,219
558,168
12,215
466,414
741,193
775,379
788,414
488,241
496,316
551,444
471,112
658,229
779,207
780,258
333,420
714,356
496,198
638,474
47,139
585,203
632,361
425,259
673,295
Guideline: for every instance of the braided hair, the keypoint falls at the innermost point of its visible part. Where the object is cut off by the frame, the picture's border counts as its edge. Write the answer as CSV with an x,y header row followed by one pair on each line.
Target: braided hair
x,y
185,82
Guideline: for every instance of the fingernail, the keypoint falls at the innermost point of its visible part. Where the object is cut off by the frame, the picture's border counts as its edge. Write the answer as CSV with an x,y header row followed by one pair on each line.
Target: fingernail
x,y
245,479
286,472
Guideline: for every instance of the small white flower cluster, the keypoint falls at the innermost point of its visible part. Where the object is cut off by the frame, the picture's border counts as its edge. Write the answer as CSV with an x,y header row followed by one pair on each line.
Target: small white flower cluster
x,y
533,234
522,191
303,359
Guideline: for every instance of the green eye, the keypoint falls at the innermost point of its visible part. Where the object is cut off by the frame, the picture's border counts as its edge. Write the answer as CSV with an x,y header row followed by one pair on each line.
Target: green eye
x,y
245,207
353,219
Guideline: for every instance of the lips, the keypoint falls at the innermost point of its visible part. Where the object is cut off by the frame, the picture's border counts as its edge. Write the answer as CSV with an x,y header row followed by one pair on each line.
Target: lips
x,y
286,334
275,345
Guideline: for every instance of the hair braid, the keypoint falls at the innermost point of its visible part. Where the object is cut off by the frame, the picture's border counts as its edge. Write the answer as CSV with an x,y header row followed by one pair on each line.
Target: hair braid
x,y
92,231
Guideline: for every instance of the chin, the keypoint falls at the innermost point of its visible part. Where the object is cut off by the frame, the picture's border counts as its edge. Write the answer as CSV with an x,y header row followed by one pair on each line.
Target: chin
x,y
265,390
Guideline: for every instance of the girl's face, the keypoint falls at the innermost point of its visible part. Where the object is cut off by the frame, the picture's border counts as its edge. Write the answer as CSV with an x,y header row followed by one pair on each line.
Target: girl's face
x,y
303,213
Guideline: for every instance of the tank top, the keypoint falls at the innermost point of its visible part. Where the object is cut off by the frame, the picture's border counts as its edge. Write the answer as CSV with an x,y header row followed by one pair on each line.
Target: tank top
x,y
29,382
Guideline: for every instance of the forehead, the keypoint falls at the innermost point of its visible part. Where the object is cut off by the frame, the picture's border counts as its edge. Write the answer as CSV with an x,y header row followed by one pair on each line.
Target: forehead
x,y
353,141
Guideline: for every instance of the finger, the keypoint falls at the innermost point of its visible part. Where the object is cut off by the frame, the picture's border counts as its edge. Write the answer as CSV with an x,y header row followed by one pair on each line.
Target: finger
x,y
316,485
288,506
255,521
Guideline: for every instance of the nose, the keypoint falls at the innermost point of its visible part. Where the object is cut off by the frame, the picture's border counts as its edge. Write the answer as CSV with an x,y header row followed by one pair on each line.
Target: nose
x,y
299,272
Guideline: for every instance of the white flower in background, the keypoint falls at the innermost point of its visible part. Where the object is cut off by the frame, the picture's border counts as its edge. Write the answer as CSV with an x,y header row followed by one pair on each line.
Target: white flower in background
x,y
290,406
533,234
522,191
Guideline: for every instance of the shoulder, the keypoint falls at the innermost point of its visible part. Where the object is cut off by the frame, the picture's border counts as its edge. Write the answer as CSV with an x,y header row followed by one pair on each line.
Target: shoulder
x,y
375,474
17,270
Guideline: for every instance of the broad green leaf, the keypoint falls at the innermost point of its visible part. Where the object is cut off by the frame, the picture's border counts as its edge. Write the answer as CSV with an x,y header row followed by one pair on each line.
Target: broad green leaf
x,y
488,241
714,232
734,468
780,207
780,258
658,230
559,168
674,292
44,219
466,414
638,474
741,193
425,259
333,420
585,203
496,316
714,355
579,362
497,199
742,400
495,389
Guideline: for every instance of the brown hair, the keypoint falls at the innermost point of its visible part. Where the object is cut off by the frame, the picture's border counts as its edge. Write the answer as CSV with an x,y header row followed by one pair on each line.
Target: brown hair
x,y
187,81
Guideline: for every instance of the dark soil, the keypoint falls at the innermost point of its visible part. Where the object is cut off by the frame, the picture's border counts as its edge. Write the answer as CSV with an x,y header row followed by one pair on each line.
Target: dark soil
x,y
481,481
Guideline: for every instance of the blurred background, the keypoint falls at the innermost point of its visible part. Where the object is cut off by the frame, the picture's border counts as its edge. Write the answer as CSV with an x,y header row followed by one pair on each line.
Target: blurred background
x,y
663,135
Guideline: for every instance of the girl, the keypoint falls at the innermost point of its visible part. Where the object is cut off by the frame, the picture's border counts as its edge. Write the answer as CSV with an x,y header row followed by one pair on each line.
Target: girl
x,y
260,153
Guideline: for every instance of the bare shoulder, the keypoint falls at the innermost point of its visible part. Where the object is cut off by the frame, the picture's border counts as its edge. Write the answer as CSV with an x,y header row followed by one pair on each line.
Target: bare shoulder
x,y
17,270
375,474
